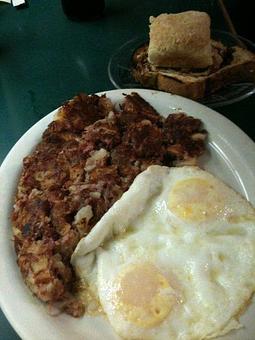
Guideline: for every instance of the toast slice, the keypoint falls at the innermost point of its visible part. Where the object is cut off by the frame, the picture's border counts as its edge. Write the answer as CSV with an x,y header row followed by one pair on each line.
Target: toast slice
x,y
230,65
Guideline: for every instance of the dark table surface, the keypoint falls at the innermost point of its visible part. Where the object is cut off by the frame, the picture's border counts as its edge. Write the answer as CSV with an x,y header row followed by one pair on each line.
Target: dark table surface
x,y
46,59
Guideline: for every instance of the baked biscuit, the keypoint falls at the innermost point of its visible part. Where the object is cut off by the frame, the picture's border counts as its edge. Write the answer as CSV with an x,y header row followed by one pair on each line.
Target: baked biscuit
x,y
180,40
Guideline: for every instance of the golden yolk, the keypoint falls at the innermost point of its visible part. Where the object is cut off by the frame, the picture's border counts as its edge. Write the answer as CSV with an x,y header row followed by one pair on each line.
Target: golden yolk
x,y
195,199
144,296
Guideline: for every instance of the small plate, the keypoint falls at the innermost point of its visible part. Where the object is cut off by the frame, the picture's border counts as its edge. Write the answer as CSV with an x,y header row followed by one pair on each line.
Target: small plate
x,y
230,156
120,65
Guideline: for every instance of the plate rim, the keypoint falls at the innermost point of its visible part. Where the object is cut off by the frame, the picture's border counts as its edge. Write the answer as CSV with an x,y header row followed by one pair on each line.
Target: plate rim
x,y
41,125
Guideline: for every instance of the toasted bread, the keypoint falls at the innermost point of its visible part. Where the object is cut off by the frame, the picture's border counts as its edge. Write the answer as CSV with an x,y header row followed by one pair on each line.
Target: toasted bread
x,y
230,65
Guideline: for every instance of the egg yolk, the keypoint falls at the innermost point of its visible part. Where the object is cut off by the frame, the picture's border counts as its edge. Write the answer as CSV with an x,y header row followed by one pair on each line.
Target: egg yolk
x,y
195,200
144,296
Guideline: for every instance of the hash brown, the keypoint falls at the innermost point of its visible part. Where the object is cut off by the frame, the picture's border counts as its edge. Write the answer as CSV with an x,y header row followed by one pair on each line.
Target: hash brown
x,y
87,158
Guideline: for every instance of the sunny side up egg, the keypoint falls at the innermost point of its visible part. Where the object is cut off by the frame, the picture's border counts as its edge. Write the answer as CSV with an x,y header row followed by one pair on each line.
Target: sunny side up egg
x,y
174,258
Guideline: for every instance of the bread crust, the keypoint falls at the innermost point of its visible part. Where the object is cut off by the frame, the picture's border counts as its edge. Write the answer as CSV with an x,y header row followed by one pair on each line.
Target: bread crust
x,y
191,90
180,40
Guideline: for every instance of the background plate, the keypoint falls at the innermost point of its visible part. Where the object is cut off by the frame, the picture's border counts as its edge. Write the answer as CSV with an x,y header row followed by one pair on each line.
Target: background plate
x,y
120,66
230,156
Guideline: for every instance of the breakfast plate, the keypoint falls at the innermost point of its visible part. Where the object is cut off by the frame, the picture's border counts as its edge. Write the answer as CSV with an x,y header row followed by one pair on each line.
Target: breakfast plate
x,y
230,156
120,66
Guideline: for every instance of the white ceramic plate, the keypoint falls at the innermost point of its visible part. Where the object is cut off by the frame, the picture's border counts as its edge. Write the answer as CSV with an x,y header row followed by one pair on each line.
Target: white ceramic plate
x,y
230,156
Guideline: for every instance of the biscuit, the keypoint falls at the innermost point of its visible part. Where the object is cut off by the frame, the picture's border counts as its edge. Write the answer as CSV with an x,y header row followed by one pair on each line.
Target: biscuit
x,y
180,40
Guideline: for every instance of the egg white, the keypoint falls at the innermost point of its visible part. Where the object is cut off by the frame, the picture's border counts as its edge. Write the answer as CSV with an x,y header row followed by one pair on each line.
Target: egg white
x,y
204,251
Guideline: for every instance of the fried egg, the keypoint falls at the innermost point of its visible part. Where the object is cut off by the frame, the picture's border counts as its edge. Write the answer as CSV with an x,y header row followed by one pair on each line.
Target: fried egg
x,y
174,258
